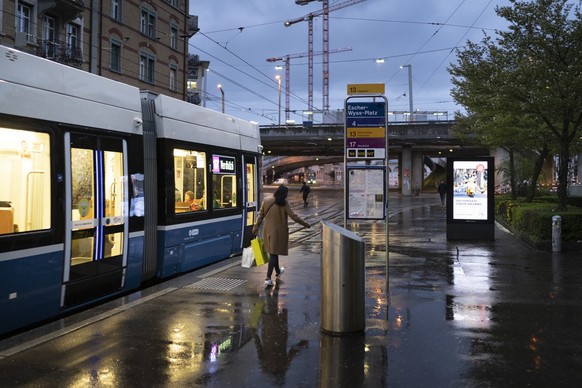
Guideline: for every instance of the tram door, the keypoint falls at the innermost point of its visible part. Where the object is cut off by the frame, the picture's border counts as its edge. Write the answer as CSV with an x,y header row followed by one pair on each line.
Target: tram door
x,y
96,217
252,197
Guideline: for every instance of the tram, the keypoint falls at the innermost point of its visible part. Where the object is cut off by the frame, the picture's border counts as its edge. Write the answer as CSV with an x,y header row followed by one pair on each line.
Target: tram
x,y
104,187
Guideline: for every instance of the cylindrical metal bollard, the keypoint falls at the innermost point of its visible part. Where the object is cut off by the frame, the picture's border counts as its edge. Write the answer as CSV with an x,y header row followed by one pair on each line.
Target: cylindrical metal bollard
x,y
342,281
556,234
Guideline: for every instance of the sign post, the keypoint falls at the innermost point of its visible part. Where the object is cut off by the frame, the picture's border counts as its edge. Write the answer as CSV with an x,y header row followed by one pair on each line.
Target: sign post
x,y
366,156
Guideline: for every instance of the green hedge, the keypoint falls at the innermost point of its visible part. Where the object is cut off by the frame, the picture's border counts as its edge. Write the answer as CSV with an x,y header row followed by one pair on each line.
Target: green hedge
x,y
533,221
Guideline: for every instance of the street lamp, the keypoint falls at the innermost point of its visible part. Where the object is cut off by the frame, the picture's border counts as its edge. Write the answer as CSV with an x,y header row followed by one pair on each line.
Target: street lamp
x,y
222,92
278,77
409,89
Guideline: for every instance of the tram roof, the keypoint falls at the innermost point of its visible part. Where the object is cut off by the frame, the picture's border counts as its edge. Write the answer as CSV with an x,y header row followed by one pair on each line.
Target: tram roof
x,y
31,86
176,119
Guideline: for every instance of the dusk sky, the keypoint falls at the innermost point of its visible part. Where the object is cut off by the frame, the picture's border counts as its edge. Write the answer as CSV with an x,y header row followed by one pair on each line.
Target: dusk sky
x,y
237,36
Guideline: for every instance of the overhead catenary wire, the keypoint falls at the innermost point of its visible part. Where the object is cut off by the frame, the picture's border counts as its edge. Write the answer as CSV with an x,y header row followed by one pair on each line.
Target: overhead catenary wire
x,y
162,75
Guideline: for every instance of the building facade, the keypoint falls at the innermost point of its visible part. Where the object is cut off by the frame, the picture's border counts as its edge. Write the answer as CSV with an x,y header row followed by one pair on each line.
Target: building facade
x,y
141,43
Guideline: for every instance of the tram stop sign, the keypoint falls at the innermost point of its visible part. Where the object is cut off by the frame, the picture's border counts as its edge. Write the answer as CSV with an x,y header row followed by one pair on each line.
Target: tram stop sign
x,y
366,130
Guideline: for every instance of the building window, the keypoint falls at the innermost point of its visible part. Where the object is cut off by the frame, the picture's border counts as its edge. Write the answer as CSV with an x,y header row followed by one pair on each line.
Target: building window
x,y
173,77
116,10
23,24
147,67
115,59
174,36
49,44
148,23
73,53
73,37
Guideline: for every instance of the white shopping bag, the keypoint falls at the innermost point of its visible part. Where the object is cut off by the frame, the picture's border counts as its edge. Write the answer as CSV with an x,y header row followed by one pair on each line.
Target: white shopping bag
x,y
247,257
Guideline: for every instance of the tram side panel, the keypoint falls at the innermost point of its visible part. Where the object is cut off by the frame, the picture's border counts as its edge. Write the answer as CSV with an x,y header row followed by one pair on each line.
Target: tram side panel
x,y
31,249
69,145
136,247
201,213
200,217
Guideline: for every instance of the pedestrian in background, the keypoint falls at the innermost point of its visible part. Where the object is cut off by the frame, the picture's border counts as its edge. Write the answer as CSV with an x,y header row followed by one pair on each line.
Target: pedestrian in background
x,y
274,211
305,189
442,190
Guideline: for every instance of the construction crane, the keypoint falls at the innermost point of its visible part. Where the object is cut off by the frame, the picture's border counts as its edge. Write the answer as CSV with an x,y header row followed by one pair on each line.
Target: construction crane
x,y
325,10
286,59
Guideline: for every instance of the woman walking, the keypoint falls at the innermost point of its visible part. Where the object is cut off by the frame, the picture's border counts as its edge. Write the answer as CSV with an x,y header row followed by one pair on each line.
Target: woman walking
x,y
274,211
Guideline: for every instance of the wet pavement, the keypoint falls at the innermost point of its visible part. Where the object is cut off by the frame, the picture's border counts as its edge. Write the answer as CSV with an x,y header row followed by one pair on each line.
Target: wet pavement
x,y
456,314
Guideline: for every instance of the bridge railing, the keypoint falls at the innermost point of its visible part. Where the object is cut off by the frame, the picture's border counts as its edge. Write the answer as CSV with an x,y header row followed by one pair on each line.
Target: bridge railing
x,y
416,129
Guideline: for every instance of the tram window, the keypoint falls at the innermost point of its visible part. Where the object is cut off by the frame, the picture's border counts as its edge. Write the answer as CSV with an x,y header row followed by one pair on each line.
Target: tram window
x,y
190,180
224,191
25,192
251,192
83,190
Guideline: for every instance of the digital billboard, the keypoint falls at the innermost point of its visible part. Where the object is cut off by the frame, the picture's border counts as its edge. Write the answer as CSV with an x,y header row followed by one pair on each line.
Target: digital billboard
x,y
470,198
470,194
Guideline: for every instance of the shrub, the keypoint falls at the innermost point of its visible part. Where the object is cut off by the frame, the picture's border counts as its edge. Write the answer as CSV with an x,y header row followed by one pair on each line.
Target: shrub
x,y
533,221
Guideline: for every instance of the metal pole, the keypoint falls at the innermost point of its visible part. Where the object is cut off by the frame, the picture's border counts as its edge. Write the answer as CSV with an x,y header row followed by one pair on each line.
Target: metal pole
x,y
410,92
204,95
410,107
222,92
279,80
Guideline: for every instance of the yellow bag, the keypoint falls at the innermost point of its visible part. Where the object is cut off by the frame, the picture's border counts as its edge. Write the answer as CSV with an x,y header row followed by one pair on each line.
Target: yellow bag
x,y
261,257
256,314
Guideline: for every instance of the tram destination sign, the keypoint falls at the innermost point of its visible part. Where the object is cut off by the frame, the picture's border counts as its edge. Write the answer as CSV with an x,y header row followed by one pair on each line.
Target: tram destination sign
x,y
366,130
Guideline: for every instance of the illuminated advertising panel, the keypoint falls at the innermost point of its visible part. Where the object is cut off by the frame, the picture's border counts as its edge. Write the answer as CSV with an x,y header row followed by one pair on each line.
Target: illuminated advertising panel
x,y
470,198
470,190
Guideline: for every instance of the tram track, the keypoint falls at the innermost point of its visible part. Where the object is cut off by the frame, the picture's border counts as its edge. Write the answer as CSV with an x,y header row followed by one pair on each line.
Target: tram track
x,y
334,214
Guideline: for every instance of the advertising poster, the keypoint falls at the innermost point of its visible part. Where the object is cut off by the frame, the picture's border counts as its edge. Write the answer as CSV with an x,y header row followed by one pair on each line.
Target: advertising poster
x,y
470,196
366,192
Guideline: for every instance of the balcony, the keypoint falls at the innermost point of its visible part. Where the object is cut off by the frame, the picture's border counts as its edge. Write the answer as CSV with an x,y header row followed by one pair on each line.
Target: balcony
x,y
67,10
60,52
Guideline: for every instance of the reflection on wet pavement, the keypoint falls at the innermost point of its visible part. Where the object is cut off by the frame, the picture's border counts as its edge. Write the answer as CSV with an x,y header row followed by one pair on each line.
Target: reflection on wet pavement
x,y
453,314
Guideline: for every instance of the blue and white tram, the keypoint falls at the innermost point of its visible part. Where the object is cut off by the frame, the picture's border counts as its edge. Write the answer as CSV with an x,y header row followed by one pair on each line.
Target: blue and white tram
x,y
104,187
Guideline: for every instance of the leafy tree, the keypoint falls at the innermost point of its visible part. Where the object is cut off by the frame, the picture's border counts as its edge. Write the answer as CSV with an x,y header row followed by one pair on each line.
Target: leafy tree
x,y
525,137
533,71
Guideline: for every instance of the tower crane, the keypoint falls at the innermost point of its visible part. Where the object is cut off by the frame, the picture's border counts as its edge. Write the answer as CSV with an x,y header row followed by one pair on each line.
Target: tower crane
x,y
325,10
286,59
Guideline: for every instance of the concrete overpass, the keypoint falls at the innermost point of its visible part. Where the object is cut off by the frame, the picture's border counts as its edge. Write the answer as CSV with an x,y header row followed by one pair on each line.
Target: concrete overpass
x,y
410,142
429,137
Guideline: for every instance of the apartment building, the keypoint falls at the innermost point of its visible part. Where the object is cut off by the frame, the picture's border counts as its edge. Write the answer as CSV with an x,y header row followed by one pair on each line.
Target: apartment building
x,y
141,43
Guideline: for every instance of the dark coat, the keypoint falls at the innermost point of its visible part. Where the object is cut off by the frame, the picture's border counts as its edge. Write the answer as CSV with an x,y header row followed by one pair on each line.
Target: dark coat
x,y
276,228
442,189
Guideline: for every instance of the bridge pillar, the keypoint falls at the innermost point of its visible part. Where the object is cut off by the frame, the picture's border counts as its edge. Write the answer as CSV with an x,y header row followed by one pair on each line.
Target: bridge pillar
x,y
406,170
417,171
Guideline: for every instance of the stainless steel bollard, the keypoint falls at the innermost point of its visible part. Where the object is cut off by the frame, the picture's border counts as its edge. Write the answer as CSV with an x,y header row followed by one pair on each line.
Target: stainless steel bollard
x,y
342,281
556,234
